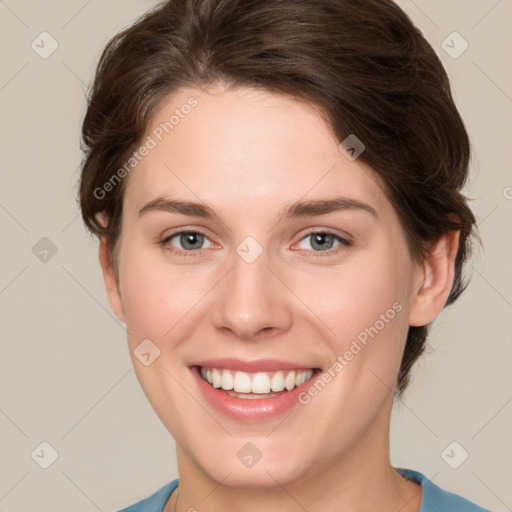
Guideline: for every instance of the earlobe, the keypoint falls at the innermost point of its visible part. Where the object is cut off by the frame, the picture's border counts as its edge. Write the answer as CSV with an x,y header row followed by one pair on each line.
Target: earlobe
x,y
435,280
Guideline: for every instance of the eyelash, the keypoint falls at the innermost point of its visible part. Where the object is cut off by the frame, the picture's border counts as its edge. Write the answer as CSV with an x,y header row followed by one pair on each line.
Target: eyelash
x,y
344,243
169,248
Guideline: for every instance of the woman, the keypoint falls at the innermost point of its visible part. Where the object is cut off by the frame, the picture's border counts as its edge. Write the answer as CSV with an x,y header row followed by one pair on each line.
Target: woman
x,y
276,187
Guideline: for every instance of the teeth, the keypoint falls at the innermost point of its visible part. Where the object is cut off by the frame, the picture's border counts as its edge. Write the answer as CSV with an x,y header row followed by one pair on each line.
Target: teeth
x,y
277,381
259,383
301,378
289,382
216,378
242,383
227,380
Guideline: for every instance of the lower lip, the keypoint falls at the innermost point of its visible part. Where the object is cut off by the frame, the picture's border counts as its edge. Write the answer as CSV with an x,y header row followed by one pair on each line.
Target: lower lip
x,y
249,410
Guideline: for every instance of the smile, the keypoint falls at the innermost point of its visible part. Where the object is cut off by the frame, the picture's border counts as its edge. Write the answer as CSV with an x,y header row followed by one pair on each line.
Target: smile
x,y
251,391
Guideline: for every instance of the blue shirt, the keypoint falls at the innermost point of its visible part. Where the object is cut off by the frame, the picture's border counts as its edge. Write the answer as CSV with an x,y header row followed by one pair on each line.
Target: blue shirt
x,y
434,498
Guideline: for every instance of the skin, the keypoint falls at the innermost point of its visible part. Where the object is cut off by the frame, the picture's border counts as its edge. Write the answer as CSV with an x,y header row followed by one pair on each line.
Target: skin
x,y
248,154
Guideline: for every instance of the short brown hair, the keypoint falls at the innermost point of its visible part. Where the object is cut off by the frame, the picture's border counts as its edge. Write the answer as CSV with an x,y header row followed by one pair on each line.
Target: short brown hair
x,y
363,62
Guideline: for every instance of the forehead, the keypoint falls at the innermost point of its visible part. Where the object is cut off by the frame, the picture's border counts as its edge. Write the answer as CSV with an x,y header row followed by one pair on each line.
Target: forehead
x,y
247,146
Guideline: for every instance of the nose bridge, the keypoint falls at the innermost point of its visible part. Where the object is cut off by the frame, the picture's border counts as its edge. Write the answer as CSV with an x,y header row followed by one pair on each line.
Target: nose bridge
x,y
251,300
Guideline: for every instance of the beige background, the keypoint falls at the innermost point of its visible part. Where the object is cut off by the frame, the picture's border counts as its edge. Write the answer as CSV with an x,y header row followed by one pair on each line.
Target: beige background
x,y
65,373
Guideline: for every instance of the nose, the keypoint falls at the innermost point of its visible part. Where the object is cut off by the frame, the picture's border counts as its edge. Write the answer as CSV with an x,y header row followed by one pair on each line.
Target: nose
x,y
251,302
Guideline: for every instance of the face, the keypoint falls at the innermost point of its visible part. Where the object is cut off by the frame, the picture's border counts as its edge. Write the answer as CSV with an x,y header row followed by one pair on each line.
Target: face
x,y
272,277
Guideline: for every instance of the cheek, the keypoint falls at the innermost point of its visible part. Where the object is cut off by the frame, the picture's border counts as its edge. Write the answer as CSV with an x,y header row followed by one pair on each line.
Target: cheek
x,y
363,307
156,297
376,339
357,298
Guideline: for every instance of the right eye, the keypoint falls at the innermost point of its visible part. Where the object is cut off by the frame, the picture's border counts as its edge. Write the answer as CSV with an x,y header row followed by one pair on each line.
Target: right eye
x,y
182,242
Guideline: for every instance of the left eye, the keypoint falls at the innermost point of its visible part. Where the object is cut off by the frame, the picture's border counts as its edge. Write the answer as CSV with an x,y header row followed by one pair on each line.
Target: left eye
x,y
188,240
320,241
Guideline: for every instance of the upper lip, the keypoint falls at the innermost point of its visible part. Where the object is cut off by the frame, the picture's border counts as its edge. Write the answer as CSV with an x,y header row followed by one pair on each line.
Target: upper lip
x,y
257,365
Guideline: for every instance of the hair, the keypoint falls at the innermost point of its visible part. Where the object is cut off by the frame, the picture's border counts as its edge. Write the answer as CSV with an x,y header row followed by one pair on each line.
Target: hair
x,y
362,62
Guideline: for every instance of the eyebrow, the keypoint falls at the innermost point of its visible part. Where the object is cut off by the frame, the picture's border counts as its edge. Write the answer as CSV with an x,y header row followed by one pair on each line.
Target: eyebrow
x,y
324,206
299,209
161,204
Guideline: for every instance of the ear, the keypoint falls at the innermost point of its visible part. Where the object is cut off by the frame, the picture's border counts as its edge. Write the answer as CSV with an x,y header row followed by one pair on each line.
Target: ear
x,y
109,273
435,278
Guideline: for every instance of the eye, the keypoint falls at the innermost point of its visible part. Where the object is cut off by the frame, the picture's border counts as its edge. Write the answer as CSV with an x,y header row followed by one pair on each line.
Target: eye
x,y
186,241
322,241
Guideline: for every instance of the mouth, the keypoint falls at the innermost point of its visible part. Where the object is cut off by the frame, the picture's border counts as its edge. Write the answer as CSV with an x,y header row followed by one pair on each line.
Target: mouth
x,y
254,386
253,391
